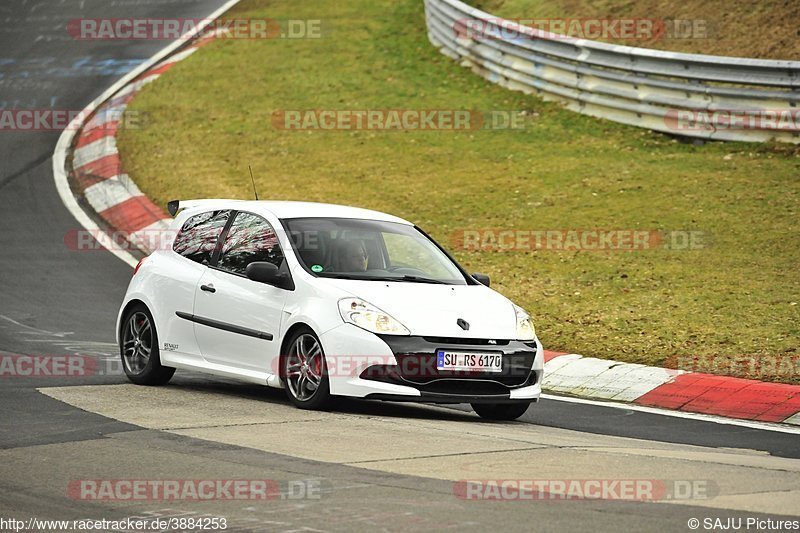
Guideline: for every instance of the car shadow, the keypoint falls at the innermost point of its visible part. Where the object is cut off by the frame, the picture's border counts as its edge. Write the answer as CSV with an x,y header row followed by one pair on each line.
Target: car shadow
x,y
351,406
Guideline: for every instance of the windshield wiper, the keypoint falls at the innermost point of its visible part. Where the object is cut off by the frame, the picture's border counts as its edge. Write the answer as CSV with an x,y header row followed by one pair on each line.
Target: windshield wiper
x,y
413,279
336,275
419,279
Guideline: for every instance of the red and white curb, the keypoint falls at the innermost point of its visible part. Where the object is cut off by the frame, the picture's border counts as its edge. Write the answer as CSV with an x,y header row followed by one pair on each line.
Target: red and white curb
x,y
97,174
688,392
97,171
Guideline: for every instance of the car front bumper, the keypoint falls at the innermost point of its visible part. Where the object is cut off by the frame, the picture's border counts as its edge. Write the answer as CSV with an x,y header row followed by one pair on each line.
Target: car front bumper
x,y
528,394
415,367
403,368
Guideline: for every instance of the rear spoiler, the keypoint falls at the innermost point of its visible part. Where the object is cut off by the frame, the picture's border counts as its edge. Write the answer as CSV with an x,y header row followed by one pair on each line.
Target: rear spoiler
x,y
174,206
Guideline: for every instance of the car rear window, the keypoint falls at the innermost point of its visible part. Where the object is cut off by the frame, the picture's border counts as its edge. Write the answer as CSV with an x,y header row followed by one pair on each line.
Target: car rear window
x,y
198,237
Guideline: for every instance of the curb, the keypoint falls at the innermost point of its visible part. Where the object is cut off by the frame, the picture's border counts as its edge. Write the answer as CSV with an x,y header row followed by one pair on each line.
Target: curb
x,y
689,392
96,170
66,140
97,174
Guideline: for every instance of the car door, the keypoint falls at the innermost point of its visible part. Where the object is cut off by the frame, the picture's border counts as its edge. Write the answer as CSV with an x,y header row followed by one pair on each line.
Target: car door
x,y
237,320
175,282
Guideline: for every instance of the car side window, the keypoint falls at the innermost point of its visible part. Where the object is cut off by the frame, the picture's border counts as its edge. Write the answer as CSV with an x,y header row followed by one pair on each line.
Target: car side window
x,y
198,237
250,239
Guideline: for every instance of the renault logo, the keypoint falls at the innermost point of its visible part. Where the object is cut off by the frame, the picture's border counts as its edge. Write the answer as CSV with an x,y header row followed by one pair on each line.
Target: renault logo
x,y
463,324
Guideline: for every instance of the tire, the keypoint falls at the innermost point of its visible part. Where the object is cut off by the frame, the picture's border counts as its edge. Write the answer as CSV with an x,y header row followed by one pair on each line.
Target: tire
x,y
305,373
500,411
138,348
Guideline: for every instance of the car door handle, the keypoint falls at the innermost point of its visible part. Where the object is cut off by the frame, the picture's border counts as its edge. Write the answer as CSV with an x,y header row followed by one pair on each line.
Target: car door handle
x,y
208,288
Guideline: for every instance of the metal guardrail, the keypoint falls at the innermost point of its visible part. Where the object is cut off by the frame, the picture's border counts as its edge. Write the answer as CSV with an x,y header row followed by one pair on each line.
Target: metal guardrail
x,y
710,97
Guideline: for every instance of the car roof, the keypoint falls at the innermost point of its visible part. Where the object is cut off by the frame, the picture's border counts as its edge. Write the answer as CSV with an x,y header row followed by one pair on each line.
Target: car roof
x,y
290,209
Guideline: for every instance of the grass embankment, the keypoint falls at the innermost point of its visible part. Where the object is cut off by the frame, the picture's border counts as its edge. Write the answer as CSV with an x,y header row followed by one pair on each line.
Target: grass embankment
x,y
210,116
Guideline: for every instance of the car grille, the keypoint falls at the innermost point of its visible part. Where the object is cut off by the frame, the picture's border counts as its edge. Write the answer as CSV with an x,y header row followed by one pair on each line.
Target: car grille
x,y
416,365
419,371
467,342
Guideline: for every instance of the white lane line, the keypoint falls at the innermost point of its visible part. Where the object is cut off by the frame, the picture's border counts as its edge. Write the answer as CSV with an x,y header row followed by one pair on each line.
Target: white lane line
x,y
67,136
38,331
180,56
136,86
752,424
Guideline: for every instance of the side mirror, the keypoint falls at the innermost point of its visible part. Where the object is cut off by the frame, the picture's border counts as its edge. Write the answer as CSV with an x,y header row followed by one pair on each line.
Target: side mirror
x,y
483,279
265,272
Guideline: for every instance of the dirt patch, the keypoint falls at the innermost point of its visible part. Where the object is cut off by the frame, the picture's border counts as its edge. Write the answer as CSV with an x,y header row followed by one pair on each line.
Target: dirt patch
x,y
766,30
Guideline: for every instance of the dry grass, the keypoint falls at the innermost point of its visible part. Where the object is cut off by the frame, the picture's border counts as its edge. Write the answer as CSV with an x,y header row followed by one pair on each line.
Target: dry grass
x,y
765,29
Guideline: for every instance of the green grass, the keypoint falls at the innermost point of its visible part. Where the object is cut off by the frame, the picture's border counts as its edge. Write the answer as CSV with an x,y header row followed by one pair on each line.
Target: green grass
x,y
210,116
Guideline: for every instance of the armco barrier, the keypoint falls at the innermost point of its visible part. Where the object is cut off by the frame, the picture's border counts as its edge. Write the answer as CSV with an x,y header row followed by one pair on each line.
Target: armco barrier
x,y
710,97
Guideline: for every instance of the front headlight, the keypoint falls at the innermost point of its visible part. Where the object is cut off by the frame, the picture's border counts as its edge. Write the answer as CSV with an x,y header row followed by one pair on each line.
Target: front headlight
x,y
366,316
525,329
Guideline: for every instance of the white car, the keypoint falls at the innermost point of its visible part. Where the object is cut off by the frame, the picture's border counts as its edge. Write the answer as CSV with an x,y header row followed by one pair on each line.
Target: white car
x,y
325,301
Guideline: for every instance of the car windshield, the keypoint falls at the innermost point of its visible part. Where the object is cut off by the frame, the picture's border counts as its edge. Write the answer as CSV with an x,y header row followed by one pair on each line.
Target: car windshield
x,y
370,250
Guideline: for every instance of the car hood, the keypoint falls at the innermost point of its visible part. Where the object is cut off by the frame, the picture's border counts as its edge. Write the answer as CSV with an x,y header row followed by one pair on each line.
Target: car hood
x,y
433,310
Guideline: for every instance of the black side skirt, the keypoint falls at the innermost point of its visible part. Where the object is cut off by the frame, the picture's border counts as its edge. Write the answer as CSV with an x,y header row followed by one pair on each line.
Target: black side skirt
x,y
224,326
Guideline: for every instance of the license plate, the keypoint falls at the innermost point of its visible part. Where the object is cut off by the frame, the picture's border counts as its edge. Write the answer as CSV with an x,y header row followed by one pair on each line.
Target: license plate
x,y
483,362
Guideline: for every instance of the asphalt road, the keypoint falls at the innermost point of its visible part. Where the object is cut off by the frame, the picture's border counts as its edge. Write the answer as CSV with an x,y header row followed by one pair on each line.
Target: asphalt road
x,y
55,301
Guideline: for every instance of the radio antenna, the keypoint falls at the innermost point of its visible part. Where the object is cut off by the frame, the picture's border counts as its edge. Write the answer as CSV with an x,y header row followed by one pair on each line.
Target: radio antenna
x,y
253,180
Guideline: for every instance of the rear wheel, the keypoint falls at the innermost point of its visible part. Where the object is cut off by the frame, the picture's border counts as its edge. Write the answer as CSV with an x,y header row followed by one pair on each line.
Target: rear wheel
x,y
139,349
305,374
500,411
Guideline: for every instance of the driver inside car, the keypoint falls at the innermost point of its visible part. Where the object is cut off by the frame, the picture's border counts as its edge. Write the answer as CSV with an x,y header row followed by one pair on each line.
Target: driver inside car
x,y
353,256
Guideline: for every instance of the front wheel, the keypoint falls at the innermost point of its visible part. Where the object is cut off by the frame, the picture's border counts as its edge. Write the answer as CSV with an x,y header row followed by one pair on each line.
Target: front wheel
x,y
305,374
500,411
138,348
